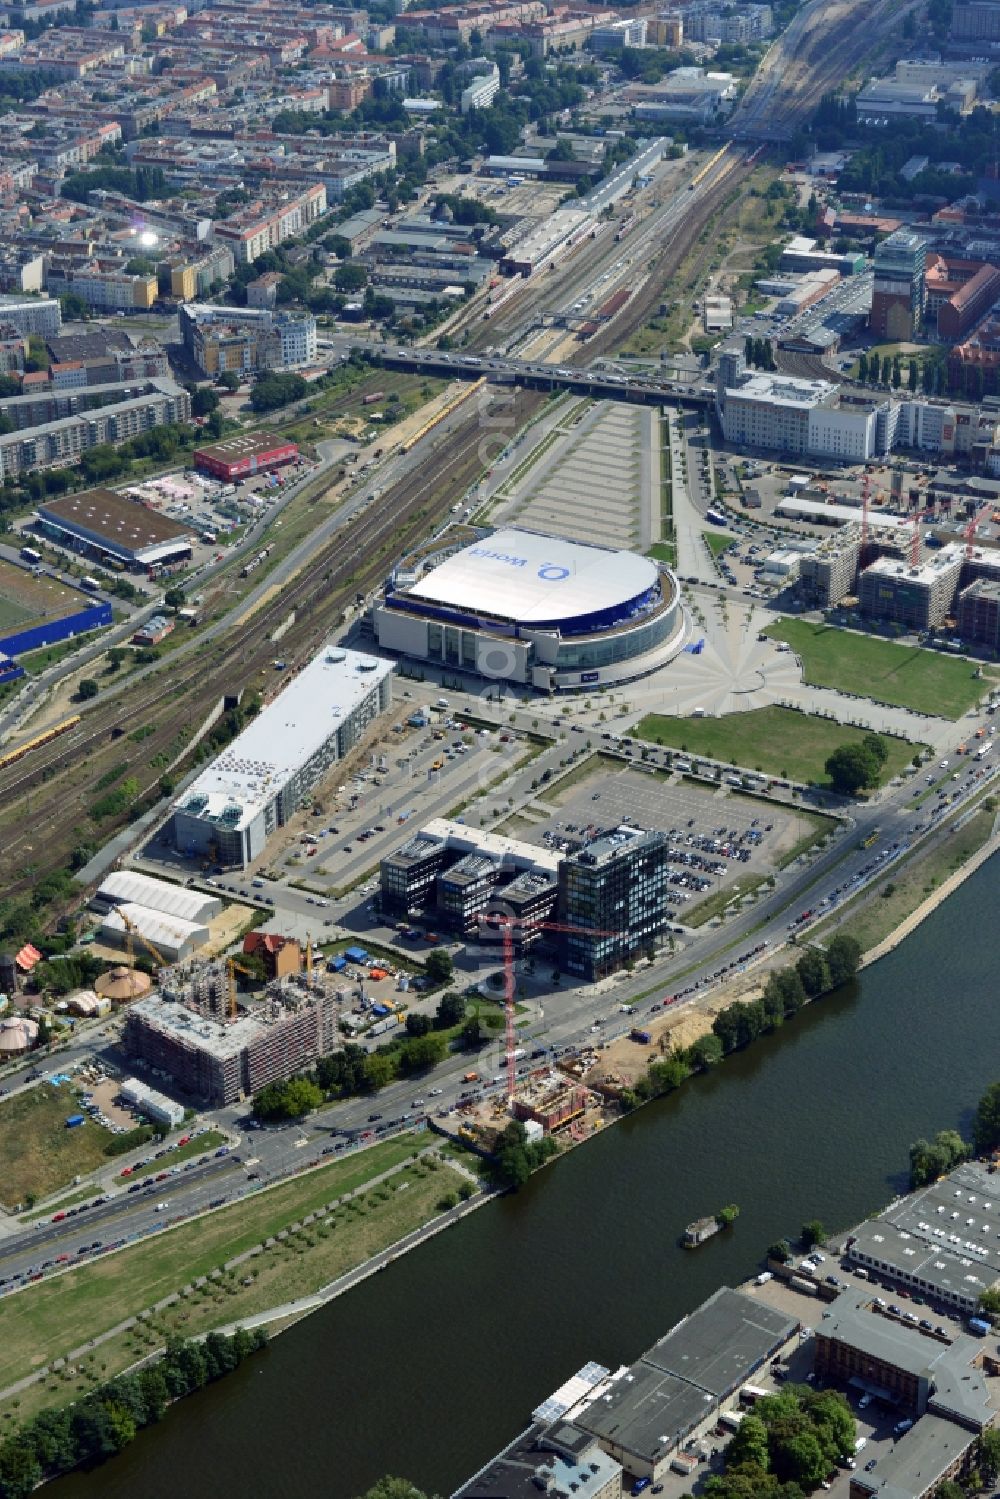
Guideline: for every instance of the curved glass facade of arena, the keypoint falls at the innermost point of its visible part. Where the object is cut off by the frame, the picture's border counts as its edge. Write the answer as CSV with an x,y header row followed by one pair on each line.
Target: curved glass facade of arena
x,y
581,646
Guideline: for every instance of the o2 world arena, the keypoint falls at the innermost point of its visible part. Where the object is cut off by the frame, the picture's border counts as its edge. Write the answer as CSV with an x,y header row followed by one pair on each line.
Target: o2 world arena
x,y
517,606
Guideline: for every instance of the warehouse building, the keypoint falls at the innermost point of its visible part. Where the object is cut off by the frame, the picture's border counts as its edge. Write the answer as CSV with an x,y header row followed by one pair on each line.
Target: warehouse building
x,y
522,607
126,886
942,1242
110,527
155,1105
684,1379
128,924
245,454
228,813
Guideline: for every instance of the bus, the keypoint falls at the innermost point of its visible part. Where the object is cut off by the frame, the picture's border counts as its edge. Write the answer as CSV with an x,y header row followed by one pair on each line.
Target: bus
x,y
871,840
30,555
984,750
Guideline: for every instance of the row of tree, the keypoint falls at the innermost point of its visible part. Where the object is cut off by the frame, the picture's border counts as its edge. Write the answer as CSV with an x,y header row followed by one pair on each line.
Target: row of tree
x,y
107,1420
816,972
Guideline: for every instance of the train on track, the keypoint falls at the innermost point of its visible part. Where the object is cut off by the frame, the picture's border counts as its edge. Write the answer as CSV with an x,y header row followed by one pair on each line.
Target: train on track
x,y
12,756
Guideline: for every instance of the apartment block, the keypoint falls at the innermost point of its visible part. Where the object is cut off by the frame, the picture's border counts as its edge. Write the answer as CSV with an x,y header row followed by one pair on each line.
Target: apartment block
x,y
246,339
276,216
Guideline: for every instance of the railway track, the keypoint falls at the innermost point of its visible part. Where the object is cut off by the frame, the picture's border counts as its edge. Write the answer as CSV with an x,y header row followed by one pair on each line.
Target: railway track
x,y
67,771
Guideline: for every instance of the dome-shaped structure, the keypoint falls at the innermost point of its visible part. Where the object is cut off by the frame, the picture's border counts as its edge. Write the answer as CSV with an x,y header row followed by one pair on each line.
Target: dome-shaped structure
x,y
122,985
17,1034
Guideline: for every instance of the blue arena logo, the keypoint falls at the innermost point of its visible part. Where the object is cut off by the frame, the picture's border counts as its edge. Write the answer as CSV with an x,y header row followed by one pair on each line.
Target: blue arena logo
x,y
498,556
553,573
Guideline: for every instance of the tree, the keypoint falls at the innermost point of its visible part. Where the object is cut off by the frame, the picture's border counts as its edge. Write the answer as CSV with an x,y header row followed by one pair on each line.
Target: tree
x,y
378,1069
350,277
785,988
513,1164
988,1454
229,380
986,1121
421,1052
877,747
886,369
290,1099
780,1250
843,958
801,1458
749,1444
853,768
706,1052
949,1489
812,969
174,598
472,1033
87,688
928,1161
204,401
912,375
20,1470
393,1488
863,369
450,1010
813,1233
439,967
417,1025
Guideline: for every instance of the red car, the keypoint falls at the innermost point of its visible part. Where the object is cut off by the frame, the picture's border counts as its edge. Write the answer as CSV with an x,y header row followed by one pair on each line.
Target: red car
x,y
126,1171
184,1140
58,1217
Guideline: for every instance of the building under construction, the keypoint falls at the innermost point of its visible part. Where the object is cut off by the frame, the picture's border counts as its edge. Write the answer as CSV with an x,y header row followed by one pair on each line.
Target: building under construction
x,y
218,1055
551,1100
829,572
918,596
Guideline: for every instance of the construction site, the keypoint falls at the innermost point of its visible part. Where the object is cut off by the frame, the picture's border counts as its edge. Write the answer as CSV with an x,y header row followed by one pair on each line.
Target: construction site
x,y
217,1049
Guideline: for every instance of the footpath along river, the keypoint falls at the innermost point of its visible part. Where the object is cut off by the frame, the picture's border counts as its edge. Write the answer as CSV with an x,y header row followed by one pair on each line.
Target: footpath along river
x,y
429,1367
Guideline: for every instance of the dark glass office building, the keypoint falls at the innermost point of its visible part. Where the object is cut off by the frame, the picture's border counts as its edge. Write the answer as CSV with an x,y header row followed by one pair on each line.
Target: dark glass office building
x,y
616,890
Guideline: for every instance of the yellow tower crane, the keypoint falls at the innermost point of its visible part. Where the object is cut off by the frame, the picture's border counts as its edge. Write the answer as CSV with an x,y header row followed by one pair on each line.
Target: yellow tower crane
x,y
131,932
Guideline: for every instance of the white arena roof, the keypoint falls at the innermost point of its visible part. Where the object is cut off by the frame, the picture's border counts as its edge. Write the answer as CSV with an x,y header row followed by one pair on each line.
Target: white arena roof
x,y
533,579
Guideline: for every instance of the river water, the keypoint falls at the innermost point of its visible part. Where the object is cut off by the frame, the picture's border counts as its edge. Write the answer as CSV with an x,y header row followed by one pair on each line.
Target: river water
x,y
429,1367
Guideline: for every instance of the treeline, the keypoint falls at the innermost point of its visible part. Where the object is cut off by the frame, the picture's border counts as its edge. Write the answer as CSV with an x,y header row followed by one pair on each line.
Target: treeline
x,y
108,1419
930,1159
140,183
875,167
743,1022
353,1072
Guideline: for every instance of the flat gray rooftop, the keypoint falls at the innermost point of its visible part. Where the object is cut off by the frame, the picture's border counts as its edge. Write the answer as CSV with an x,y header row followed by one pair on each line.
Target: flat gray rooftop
x,y
918,1461
647,1412
720,1345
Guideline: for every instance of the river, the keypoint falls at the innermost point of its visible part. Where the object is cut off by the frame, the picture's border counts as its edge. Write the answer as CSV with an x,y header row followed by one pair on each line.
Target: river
x,y
429,1367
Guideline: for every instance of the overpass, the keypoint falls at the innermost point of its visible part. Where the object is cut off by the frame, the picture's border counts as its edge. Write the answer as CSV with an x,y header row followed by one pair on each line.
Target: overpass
x,y
638,389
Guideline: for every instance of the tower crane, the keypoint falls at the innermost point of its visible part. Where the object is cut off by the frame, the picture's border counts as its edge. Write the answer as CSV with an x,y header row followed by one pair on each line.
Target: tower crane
x,y
131,932
983,513
507,924
232,968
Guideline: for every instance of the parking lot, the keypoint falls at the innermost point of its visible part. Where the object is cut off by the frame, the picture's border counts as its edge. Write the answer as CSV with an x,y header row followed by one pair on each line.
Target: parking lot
x,y
714,835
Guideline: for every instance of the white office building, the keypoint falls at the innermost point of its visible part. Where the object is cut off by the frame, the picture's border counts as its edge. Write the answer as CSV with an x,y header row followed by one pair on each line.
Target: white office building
x,y
255,785
779,413
481,92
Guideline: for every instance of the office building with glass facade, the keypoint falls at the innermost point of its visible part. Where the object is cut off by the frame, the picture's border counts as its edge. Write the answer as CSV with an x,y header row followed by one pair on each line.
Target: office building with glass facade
x,y
614,893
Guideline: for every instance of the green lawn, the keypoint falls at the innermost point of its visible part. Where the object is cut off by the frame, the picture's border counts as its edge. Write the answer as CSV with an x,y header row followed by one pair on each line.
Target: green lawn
x,y
38,1153
207,1142
717,542
663,551
905,675
776,741
55,1315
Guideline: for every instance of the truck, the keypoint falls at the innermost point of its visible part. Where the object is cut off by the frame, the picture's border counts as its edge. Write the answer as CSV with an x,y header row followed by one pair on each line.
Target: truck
x,y
90,584
74,1121
29,554
643,1037
979,1326
470,1077
381,1026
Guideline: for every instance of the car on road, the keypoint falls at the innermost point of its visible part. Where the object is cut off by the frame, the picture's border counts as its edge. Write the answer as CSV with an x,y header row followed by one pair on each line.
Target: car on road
x,y
161,1207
